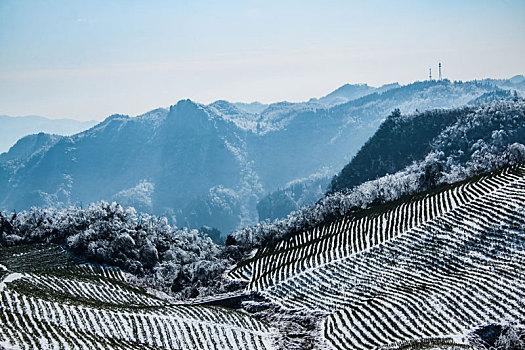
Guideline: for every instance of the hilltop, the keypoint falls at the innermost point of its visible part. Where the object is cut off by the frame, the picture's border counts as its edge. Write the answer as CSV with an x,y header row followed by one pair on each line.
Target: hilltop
x,y
453,136
14,128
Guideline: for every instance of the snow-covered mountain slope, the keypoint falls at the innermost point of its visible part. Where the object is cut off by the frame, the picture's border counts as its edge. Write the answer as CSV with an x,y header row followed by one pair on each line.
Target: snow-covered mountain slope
x,y
516,83
27,147
210,164
349,92
253,107
50,300
422,272
14,128
453,137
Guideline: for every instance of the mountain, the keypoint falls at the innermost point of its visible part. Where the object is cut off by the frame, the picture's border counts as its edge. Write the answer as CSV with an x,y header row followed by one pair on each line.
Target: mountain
x,y
454,136
409,154
28,146
281,202
343,94
516,83
211,164
349,92
253,107
14,128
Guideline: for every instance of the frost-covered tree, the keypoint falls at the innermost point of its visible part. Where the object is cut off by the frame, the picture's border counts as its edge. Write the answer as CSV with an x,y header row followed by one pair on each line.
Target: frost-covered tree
x,y
179,261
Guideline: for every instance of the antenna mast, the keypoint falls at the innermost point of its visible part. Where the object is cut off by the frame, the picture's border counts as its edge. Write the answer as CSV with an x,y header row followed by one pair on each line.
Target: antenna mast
x,y
430,74
439,70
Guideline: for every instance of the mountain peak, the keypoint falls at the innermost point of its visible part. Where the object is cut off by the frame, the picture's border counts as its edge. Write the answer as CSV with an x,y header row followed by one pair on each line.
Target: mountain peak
x,y
184,108
29,145
252,107
116,116
225,107
184,103
517,79
345,93
386,87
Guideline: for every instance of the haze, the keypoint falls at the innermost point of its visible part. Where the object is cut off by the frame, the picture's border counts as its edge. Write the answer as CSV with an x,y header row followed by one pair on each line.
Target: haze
x,y
88,59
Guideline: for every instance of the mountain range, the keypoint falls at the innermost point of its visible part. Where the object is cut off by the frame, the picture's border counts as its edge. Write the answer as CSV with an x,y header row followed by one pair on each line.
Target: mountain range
x,y
212,164
14,128
419,244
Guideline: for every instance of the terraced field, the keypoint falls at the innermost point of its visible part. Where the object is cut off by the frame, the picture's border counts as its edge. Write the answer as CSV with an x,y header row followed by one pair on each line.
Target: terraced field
x,y
415,273
49,300
418,273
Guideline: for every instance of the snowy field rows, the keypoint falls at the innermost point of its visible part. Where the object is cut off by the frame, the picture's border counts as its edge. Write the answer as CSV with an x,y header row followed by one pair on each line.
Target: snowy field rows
x,y
63,304
423,272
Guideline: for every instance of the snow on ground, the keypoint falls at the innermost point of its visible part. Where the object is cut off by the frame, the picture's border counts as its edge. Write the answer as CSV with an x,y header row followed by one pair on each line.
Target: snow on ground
x,y
10,278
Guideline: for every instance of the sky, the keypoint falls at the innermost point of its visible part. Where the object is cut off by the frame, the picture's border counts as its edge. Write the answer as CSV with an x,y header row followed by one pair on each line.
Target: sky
x,y
89,59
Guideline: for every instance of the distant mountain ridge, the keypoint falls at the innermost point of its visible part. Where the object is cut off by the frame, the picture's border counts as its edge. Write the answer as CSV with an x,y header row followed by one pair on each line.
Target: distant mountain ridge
x,y
210,164
349,92
14,128
27,146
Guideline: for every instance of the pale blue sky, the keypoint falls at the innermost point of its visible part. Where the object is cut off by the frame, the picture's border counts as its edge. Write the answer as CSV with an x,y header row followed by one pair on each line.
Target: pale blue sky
x,y
88,59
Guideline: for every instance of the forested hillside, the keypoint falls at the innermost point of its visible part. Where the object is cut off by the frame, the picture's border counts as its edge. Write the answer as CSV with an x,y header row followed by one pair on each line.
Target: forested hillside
x,y
212,164
455,136
461,143
181,262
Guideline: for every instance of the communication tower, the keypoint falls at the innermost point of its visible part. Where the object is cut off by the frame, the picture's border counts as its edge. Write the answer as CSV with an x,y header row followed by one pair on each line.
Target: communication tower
x,y
439,70
430,74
